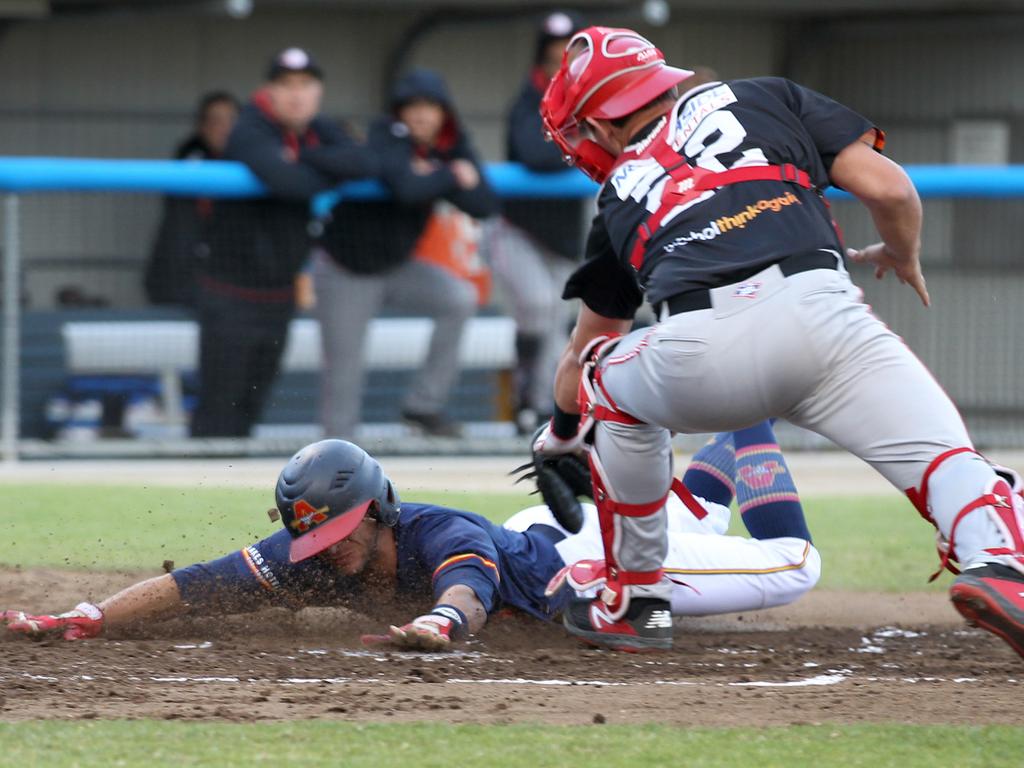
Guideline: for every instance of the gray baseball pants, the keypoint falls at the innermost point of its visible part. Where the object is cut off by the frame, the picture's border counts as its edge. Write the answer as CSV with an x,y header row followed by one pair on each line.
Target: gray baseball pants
x,y
345,304
804,348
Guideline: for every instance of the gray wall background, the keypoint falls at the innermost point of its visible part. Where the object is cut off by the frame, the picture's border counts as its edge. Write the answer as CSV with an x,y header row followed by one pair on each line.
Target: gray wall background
x,y
125,87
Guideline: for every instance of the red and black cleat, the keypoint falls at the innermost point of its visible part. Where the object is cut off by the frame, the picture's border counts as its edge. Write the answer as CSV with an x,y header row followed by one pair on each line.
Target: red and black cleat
x,y
991,596
646,626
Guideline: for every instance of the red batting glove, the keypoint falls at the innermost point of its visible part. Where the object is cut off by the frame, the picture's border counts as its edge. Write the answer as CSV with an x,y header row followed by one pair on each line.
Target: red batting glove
x,y
84,621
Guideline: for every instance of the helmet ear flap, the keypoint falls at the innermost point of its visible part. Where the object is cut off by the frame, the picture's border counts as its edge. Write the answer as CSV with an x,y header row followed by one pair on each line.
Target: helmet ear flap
x,y
389,504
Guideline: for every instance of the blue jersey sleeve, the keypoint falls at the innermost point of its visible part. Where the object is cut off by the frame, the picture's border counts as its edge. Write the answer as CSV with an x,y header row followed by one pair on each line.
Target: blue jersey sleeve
x,y
456,550
257,576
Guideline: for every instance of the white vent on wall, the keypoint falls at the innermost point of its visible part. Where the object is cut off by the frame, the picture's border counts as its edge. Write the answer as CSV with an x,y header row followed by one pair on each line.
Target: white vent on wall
x,y
980,142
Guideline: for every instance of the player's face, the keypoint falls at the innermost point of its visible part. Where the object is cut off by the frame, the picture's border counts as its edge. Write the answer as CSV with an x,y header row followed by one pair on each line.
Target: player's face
x,y
353,554
424,119
600,132
295,98
216,125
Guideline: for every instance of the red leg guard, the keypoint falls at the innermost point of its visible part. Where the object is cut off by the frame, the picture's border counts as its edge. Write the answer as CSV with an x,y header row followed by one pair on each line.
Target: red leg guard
x,y
919,497
1005,506
615,594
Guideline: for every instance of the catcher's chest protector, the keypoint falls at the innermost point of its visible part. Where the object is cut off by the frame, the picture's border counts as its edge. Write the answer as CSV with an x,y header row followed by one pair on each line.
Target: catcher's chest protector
x,y
684,184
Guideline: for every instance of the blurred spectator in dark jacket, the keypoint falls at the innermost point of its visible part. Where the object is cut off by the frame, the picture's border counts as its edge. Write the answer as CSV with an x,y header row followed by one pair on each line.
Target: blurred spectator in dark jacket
x,y
369,247
533,249
174,259
257,246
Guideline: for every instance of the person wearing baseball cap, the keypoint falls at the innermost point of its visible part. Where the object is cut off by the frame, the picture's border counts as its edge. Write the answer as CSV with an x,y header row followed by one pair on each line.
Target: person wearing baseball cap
x,y
293,60
258,246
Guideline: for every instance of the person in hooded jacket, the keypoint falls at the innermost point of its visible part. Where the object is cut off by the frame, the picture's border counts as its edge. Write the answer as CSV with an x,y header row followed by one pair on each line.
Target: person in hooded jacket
x,y
257,246
367,256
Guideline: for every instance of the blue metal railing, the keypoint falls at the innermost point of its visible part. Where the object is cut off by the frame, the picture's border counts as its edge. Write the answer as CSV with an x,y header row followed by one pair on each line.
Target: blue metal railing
x,y
230,179
28,175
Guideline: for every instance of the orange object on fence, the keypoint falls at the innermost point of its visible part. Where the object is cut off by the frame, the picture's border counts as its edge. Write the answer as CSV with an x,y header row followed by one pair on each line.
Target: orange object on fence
x,y
451,240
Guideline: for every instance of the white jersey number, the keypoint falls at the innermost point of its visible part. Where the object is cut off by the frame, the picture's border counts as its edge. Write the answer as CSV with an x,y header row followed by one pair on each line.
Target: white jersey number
x,y
730,135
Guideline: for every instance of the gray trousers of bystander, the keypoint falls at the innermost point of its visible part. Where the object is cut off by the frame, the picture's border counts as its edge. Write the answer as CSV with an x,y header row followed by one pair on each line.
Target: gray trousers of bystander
x,y
345,304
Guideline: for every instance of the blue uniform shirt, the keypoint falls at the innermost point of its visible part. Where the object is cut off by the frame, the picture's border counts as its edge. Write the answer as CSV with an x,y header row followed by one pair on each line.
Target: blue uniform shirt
x,y
437,549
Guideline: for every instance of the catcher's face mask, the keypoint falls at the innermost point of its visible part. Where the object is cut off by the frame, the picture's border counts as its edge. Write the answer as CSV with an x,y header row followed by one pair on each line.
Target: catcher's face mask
x,y
606,73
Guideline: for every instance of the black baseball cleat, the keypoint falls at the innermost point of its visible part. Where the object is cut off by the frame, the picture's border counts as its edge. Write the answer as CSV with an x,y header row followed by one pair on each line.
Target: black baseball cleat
x,y
991,596
647,625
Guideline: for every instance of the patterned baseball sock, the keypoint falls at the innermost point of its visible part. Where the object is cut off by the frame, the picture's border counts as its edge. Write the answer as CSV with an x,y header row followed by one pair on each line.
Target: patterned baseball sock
x,y
711,471
765,492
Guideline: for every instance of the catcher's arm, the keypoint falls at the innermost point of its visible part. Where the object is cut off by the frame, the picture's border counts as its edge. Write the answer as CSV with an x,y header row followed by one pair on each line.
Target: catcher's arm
x,y
589,325
156,597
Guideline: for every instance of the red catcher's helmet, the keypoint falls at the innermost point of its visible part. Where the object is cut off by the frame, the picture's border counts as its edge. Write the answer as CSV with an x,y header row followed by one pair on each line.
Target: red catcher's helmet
x,y
605,73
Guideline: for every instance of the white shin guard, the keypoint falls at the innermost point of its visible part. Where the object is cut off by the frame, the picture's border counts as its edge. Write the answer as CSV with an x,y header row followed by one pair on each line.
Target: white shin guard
x,y
977,511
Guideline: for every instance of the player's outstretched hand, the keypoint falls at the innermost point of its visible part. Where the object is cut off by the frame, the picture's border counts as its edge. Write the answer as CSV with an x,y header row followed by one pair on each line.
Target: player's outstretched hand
x,y
84,621
907,271
430,632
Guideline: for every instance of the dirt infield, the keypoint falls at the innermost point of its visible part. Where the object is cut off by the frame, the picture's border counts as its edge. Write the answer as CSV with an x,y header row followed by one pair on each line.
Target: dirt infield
x,y
833,657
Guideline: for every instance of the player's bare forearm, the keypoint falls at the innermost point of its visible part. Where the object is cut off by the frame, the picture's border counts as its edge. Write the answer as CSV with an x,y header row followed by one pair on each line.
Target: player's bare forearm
x,y
465,599
589,325
150,599
567,379
889,195
887,192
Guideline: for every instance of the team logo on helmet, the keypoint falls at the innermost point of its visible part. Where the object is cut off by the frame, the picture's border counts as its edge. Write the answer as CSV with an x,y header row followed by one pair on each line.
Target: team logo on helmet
x,y
306,515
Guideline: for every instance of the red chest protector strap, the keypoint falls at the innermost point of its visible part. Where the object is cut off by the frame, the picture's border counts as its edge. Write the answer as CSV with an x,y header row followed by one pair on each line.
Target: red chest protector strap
x,y
687,182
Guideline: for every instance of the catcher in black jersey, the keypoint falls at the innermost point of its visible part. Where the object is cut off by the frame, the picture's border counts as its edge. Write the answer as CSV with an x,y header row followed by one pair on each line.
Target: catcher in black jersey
x,y
712,209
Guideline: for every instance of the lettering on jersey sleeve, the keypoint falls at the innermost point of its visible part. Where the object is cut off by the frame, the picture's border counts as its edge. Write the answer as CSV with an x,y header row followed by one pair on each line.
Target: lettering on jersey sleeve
x,y
260,568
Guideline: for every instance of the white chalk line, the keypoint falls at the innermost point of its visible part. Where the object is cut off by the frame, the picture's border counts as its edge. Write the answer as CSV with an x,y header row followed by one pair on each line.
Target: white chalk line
x,y
833,677
874,643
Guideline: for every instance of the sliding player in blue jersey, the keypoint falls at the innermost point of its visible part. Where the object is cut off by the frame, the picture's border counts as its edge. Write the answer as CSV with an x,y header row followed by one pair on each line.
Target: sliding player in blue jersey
x,y
346,535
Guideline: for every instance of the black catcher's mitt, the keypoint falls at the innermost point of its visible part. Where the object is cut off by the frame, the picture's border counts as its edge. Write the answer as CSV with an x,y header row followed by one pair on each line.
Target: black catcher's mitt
x,y
560,479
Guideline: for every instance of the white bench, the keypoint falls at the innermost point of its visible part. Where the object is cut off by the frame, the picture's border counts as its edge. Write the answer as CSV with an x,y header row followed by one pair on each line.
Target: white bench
x,y
168,348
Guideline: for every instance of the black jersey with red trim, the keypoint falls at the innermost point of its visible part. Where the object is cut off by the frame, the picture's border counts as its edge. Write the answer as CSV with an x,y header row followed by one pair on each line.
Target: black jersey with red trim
x,y
437,548
725,234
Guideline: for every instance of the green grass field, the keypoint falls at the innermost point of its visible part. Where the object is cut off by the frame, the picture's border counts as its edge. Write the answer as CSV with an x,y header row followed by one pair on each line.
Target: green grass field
x,y
866,544
120,743
870,543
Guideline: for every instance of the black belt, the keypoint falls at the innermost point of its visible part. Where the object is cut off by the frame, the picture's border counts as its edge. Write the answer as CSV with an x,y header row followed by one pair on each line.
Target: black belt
x,y
688,301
